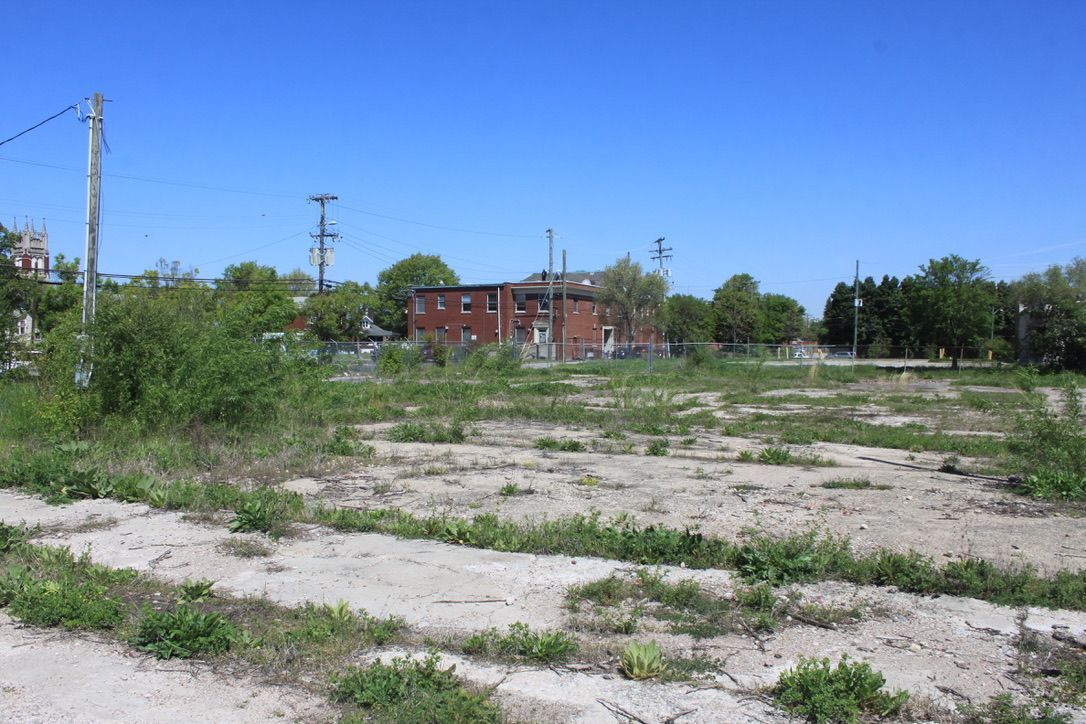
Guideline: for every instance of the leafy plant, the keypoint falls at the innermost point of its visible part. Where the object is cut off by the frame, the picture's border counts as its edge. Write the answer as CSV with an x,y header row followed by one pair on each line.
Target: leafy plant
x,y
823,693
195,591
1050,449
642,661
522,643
774,456
550,443
183,633
658,448
409,690
746,456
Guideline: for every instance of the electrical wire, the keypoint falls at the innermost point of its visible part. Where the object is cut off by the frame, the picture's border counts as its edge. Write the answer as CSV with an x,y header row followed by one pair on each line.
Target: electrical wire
x,y
72,107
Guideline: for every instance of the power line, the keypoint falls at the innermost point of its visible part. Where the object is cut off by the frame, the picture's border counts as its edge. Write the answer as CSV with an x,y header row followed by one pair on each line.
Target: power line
x,y
438,226
72,107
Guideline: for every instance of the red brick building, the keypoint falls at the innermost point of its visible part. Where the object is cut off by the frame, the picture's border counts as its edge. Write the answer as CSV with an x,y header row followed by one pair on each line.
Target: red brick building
x,y
517,312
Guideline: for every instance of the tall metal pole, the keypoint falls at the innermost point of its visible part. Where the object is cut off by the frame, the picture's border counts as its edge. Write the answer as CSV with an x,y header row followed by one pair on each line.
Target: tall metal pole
x,y
855,311
550,293
94,217
565,311
322,199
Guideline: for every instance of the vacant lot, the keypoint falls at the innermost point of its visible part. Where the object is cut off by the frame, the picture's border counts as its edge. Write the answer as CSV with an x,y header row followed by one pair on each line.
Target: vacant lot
x,y
745,519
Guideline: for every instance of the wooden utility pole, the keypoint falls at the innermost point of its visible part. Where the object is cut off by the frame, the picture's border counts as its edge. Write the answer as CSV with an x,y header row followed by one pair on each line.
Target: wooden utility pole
x,y
320,236
94,217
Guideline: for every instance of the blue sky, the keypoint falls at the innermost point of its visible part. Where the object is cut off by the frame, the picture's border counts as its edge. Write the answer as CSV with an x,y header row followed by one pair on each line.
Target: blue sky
x,y
781,139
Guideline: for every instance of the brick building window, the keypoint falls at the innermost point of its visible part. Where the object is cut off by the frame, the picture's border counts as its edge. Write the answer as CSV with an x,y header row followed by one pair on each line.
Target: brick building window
x,y
420,333
492,302
576,306
440,301
465,335
521,302
420,304
593,307
465,303
544,303
439,335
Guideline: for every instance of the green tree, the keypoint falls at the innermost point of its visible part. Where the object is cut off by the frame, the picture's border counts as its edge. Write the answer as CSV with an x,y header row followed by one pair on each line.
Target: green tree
x,y
687,318
735,309
53,301
14,294
949,303
394,286
837,316
780,319
299,282
631,299
1053,314
337,315
253,295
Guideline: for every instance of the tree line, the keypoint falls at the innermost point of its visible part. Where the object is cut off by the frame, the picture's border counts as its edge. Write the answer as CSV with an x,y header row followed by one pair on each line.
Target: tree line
x,y
950,303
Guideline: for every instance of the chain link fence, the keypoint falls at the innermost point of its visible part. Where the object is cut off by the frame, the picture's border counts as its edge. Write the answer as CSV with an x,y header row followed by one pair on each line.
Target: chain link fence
x,y
363,357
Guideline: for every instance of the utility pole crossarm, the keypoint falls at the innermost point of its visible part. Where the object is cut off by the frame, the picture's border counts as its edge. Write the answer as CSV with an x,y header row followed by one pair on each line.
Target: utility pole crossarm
x,y
321,236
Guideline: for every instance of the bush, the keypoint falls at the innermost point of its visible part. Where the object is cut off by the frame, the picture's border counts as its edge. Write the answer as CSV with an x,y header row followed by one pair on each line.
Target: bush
x,y
183,633
824,693
1050,450
171,359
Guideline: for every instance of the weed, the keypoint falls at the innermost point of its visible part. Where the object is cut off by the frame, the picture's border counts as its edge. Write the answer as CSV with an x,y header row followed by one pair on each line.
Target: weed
x,y
522,643
746,456
1002,709
774,456
550,443
11,536
195,591
658,447
263,512
433,433
642,661
824,693
245,548
183,633
853,484
1050,450
589,480
511,489
418,691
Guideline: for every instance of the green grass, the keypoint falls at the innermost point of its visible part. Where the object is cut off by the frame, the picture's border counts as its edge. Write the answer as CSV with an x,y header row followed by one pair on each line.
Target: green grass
x,y
406,690
183,633
523,644
550,443
433,432
854,483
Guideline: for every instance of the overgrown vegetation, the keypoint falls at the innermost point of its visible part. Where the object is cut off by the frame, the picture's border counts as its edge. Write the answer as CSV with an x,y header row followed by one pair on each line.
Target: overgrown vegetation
x,y
1050,450
522,643
821,692
408,690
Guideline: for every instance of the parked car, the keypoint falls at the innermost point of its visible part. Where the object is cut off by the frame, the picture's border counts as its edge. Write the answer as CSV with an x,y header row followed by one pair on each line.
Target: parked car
x,y
800,354
847,354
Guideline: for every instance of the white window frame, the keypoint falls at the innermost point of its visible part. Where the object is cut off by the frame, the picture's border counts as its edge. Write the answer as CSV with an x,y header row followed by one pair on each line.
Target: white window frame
x,y
440,301
465,301
420,304
490,295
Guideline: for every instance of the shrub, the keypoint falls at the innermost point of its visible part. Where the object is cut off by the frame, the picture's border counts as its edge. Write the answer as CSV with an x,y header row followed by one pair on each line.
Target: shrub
x,y
824,693
417,691
1050,450
183,633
